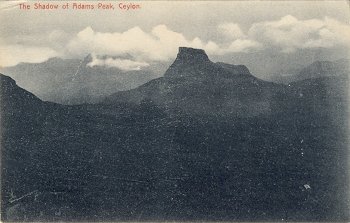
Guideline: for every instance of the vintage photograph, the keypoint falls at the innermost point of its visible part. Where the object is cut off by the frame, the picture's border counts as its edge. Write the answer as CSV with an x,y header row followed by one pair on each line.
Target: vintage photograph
x,y
174,111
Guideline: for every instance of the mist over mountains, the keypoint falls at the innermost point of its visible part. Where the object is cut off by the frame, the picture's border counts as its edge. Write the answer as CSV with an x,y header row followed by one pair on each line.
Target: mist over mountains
x,y
93,78
315,70
73,81
205,141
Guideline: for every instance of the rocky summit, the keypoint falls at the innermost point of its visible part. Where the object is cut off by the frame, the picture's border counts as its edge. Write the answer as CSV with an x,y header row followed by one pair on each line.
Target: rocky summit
x,y
192,62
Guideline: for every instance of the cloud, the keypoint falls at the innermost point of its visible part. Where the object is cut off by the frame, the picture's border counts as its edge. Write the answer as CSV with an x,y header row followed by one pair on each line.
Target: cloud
x,y
290,33
243,45
161,44
142,48
32,48
11,55
133,41
235,40
123,64
231,31
287,34
55,39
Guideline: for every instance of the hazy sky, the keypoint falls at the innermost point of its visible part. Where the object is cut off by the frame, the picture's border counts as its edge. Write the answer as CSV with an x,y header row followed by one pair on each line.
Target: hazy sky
x,y
265,35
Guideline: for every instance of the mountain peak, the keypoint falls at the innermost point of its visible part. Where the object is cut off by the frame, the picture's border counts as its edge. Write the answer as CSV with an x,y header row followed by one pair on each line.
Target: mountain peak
x,y
188,62
191,56
191,51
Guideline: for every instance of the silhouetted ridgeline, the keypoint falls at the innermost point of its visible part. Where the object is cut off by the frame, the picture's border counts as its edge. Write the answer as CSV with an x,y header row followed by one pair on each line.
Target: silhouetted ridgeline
x,y
208,141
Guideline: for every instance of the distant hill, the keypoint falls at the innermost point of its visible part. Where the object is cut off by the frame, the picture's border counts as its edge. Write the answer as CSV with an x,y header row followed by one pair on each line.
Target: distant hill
x,y
315,70
47,80
325,69
73,81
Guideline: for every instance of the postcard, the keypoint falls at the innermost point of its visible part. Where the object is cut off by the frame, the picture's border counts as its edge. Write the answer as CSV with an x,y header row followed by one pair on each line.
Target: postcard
x,y
196,111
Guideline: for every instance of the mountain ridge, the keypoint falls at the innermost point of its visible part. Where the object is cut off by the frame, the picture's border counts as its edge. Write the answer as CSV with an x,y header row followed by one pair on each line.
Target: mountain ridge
x,y
142,162
316,69
72,81
194,83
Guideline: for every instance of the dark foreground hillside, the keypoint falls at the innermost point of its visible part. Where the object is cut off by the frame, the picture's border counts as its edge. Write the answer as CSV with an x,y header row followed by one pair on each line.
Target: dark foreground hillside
x,y
143,161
